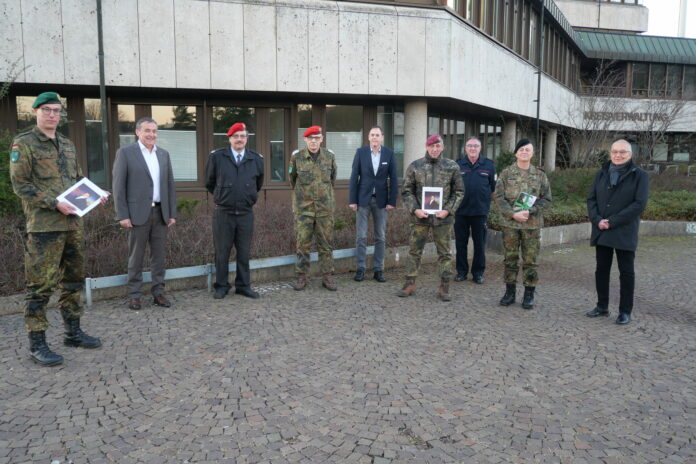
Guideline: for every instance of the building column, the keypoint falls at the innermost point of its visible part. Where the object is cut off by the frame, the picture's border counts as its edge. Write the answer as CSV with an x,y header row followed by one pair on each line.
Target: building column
x,y
550,150
509,135
415,130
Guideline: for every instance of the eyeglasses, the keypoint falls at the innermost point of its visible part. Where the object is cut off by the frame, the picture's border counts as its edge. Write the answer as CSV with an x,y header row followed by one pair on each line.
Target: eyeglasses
x,y
314,137
472,145
620,152
46,111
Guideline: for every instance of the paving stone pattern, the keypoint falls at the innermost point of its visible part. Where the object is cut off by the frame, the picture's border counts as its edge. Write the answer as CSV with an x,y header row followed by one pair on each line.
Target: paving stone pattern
x,y
361,376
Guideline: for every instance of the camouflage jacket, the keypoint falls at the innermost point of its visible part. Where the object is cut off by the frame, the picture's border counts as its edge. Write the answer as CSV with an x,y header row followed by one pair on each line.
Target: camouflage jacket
x,y
429,172
511,183
313,182
40,171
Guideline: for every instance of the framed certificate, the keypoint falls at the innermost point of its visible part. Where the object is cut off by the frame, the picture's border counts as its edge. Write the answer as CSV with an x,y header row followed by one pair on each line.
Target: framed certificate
x,y
431,199
84,196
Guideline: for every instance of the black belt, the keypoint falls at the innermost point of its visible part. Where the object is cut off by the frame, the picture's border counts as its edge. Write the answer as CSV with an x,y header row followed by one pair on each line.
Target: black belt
x,y
156,203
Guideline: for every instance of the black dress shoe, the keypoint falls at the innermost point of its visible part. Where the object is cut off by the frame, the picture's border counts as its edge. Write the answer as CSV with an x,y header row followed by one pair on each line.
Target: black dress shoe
x,y
379,276
247,292
478,279
460,277
624,318
597,312
220,293
359,275
161,300
135,304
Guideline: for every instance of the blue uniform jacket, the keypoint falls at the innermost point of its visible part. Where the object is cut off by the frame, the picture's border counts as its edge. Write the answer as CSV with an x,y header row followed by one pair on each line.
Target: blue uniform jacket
x,y
479,181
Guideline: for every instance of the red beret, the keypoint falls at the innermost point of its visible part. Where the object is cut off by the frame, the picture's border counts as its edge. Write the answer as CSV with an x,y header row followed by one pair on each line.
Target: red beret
x,y
435,138
312,131
236,127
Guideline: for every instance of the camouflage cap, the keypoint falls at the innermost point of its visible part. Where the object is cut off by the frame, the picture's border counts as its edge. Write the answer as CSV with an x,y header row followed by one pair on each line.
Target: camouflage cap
x,y
45,98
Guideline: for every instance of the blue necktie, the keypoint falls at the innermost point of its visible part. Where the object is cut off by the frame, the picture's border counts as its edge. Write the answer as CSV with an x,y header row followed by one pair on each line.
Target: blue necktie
x,y
239,159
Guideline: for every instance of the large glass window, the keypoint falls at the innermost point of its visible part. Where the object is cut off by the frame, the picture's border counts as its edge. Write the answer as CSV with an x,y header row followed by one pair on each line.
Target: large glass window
x,y
681,148
277,125
176,132
392,122
304,116
660,152
674,80
461,139
225,116
97,160
26,118
433,125
344,134
640,79
657,80
689,82
125,115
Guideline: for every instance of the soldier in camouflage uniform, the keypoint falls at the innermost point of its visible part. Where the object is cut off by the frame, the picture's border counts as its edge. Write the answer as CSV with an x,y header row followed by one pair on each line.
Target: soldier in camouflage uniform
x,y
521,224
431,171
43,164
312,176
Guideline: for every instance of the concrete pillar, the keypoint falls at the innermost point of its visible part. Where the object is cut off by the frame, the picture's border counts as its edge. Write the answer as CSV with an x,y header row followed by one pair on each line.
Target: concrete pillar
x,y
550,150
415,130
509,135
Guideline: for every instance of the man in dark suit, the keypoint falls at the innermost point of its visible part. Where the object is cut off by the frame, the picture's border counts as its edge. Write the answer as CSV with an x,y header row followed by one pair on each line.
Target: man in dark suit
x,y
618,196
146,205
234,175
374,186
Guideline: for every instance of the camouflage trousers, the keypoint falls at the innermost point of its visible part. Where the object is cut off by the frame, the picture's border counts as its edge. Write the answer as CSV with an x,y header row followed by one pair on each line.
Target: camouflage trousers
x,y
321,228
51,258
527,240
419,236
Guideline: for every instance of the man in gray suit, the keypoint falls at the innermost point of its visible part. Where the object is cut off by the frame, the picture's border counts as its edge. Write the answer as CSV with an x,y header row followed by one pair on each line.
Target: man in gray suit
x,y
145,204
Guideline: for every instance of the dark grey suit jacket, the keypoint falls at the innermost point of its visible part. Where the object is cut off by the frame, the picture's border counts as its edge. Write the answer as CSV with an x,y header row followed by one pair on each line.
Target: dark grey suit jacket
x,y
132,185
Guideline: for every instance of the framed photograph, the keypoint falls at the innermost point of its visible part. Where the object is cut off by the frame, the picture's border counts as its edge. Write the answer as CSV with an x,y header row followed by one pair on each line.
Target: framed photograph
x,y
432,199
84,196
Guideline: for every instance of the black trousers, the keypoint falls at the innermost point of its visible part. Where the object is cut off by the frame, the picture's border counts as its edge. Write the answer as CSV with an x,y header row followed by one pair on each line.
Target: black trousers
x,y
476,227
232,230
627,277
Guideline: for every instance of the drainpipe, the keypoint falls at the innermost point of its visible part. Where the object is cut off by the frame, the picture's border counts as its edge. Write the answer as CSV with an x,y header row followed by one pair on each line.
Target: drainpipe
x,y
537,141
102,87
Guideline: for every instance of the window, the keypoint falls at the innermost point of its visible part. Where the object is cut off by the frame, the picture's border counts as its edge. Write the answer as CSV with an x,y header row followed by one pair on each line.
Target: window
x,y
460,134
657,80
225,116
681,148
433,125
640,79
97,161
674,80
304,116
26,118
689,83
344,133
277,116
176,132
126,125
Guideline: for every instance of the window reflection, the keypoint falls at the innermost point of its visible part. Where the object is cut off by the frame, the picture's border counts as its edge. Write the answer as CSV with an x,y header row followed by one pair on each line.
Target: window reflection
x,y
344,134
176,133
225,116
277,144
304,116
97,161
126,125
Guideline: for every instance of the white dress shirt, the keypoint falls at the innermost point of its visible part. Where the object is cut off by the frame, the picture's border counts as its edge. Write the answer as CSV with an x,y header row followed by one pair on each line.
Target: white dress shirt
x,y
376,155
152,166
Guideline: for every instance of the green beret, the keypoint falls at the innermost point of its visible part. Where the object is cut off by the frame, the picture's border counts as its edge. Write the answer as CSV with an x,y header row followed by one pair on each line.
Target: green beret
x,y
46,97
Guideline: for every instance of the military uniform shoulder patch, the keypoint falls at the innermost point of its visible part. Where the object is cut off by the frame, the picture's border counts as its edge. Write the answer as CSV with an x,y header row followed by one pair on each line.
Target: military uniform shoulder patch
x,y
14,153
295,152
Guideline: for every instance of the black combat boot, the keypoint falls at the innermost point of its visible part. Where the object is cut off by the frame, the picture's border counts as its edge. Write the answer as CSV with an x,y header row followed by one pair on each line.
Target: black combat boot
x,y
528,300
74,336
509,296
40,352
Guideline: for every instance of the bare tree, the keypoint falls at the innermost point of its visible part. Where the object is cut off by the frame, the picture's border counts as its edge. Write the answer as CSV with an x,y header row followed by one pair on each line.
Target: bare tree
x,y
656,117
588,133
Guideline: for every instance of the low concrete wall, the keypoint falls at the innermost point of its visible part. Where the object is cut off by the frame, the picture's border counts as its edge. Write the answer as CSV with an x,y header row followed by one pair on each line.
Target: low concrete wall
x,y
394,258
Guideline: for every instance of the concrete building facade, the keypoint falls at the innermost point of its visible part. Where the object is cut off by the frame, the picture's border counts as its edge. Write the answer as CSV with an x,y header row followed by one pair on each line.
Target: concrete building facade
x,y
415,67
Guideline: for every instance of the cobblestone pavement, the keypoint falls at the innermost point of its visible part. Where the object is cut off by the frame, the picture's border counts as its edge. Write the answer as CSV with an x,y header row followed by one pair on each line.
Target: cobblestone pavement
x,y
360,375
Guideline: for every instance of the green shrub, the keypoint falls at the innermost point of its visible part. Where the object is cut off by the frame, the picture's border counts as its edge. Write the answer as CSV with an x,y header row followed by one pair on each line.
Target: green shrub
x,y
9,202
503,160
671,206
186,206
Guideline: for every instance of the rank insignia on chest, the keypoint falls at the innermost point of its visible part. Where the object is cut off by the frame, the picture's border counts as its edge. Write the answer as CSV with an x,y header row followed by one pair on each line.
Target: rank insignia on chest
x,y
14,154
